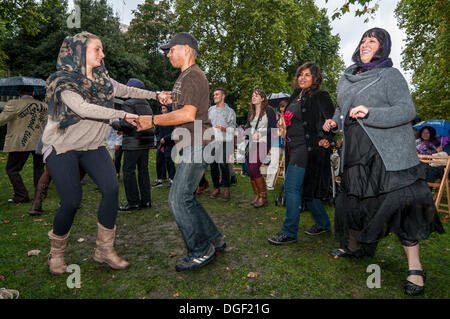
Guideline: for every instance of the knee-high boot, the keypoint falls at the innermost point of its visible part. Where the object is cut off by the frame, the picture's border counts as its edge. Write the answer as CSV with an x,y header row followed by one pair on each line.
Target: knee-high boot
x,y
255,190
262,199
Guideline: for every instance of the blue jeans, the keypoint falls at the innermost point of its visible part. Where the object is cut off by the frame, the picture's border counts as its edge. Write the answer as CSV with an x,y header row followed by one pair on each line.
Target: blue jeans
x,y
196,226
293,186
319,213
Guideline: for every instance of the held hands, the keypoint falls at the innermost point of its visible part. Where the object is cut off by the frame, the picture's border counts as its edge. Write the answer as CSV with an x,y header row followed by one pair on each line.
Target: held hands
x,y
165,97
359,111
328,125
131,118
144,122
256,136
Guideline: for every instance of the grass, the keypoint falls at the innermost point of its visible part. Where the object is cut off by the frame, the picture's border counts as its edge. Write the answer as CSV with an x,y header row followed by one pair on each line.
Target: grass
x,y
149,239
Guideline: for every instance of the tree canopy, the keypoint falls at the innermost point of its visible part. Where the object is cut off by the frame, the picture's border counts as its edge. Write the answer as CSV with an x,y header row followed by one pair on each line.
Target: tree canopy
x,y
248,44
426,24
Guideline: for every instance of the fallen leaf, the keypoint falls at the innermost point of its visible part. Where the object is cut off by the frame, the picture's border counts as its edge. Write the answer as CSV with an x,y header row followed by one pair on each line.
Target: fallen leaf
x,y
6,221
81,240
176,294
37,220
14,234
172,254
447,249
34,253
2,278
23,216
156,216
274,218
228,268
252,275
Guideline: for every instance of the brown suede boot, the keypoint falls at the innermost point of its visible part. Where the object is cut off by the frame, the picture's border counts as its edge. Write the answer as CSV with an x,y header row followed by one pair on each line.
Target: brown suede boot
x,y
39,196
105,253
262,199
255,190
58,246
226,194
215,193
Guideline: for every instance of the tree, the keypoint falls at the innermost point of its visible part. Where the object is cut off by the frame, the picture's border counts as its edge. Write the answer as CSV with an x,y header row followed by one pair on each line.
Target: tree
x,y
426,53
364,8
22,14
249,44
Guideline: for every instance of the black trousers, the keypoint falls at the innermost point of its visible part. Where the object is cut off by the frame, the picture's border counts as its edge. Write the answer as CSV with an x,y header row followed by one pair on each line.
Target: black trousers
x,y
220,167
164,163
15,163
132,159
118,159
65,171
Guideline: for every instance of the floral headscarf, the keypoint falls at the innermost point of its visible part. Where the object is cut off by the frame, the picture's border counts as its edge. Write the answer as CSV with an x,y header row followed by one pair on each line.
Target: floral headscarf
x,y
71,75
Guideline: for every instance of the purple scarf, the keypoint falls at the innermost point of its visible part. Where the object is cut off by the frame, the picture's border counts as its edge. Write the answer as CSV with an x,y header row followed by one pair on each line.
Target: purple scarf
x,y
381,63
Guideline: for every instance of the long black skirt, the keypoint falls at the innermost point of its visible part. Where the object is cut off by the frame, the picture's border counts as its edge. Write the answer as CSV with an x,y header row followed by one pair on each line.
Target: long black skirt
x,y
373,202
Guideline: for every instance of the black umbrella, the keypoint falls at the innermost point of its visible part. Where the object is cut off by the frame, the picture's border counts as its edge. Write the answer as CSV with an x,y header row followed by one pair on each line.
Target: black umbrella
x,y
8,86
275,98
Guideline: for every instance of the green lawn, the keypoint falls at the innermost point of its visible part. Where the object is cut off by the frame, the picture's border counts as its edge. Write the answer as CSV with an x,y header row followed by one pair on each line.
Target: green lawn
x,y
150,241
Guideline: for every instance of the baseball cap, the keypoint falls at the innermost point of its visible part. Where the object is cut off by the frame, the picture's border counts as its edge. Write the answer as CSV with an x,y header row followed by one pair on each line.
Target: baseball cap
x,y
136,83
182,38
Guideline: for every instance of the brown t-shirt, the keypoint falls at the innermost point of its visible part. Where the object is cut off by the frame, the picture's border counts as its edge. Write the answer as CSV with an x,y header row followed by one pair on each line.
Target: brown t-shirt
x,y
192,88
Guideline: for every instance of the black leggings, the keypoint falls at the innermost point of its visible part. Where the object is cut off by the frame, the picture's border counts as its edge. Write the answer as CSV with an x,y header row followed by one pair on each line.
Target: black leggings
x,y
65,172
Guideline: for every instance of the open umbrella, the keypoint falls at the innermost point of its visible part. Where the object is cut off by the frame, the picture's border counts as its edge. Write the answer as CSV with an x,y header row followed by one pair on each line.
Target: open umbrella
x,y
442,127
8,86
274,99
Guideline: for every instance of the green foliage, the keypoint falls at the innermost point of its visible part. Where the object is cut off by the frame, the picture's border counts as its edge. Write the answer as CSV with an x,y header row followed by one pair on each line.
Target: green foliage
x,y
363,8
426,26
23,14
35,55
152,24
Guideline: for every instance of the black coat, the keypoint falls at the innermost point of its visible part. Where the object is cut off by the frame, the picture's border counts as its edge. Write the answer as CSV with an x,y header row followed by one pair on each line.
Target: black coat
x,y
317,107
132,139
166,133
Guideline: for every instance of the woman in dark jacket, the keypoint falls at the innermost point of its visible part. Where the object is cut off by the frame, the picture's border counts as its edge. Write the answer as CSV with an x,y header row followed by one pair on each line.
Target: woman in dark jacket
x,y
308,154
261,121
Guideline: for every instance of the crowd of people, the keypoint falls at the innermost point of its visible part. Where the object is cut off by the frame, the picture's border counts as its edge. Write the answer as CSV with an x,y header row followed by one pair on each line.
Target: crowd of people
x,y
383,185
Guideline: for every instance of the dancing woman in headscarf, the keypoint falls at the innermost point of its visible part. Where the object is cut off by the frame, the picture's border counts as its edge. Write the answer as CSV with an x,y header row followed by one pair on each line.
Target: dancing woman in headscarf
x,y
80,98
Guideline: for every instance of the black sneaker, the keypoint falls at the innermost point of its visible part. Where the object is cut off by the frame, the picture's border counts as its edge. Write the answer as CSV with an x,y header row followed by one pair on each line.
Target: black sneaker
x,y
281,239
157,183
219,244
191,262
316,230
